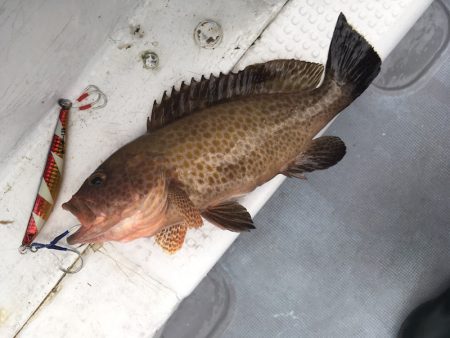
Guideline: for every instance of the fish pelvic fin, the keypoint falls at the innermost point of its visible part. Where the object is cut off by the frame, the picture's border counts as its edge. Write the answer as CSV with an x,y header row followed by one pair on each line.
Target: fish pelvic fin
x,y
171,238
323,153
179,200
352,61
277,76
229,215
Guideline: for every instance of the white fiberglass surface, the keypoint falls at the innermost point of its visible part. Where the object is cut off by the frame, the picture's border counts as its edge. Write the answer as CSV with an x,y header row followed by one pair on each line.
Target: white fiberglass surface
x,y
132,288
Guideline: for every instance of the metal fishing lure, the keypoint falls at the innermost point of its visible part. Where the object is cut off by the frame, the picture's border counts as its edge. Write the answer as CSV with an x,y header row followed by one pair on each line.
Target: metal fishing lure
x,y
51,178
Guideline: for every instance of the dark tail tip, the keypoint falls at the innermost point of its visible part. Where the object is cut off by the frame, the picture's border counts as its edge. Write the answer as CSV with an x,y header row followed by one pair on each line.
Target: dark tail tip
x,y
352,61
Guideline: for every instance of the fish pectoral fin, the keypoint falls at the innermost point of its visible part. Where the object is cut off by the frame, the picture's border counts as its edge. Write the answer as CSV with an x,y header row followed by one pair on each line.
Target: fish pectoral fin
x,y
229,215
323,153
171,238
277,76
179,200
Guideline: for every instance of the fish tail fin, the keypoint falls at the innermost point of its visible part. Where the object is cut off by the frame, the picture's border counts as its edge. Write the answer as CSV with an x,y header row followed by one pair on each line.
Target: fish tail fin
x,y
352,61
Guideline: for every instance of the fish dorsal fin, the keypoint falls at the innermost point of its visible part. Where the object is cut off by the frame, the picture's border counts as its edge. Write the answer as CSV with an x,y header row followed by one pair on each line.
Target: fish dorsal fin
x,y
278,76
229,215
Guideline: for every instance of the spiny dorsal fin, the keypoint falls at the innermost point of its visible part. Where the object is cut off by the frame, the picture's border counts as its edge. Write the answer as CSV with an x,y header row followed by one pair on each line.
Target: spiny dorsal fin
x,y
278,76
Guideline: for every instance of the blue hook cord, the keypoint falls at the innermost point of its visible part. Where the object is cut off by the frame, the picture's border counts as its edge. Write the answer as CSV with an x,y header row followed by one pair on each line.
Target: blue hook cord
x,y
53,246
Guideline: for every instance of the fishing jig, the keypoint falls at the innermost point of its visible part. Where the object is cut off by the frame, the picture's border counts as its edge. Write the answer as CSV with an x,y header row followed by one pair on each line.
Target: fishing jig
x,y
51,179
91,98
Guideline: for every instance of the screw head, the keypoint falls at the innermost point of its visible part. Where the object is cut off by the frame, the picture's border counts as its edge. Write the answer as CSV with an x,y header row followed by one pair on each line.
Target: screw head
x,y
208,34
150,59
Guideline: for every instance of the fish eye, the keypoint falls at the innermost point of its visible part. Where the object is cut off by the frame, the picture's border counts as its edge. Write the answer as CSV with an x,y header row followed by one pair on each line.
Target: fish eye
x,y
97,179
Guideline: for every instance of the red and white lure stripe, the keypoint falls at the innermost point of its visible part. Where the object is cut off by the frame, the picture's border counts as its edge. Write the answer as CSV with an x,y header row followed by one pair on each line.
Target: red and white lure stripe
x,y
91,98
51,179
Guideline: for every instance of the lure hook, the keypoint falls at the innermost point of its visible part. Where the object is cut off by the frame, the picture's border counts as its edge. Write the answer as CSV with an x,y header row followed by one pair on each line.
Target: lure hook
x,y
53,245
80,261
100,100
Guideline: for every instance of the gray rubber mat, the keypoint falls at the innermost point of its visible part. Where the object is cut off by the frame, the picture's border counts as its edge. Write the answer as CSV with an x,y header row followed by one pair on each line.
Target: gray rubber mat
x,y
352,250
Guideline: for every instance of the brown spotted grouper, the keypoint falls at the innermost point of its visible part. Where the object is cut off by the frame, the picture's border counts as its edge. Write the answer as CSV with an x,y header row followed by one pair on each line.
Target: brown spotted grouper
x,y
220,138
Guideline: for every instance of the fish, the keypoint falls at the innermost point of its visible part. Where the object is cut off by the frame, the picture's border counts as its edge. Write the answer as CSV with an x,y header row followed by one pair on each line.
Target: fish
x,y
217,139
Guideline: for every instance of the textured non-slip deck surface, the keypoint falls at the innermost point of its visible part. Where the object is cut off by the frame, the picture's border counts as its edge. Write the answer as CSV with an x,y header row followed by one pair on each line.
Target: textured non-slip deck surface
x,y
130,289
352,250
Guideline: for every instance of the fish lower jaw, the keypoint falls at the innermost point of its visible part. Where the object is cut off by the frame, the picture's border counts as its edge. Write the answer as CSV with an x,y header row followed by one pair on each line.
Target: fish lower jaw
x,y
88,231
134,227
127,229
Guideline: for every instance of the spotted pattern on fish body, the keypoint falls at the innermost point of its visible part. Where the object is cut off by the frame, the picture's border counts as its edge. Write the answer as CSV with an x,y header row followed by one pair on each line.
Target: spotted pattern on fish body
x,y
218,139
231,148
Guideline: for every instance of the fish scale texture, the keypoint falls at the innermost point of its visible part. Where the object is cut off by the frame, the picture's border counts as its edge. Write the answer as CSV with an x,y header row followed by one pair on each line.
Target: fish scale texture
x,y
128,291
352,250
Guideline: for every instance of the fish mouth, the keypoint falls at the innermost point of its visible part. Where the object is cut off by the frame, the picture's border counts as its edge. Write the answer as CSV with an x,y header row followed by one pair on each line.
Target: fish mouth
x,y
78,237
86,217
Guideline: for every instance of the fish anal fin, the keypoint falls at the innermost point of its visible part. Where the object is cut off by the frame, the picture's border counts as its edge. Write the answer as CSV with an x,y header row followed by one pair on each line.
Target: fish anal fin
x,y
277,76
323,153
171,238
180,203
229,215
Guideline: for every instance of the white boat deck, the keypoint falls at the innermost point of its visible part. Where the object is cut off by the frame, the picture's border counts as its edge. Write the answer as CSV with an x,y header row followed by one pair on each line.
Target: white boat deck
x,y
55,50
